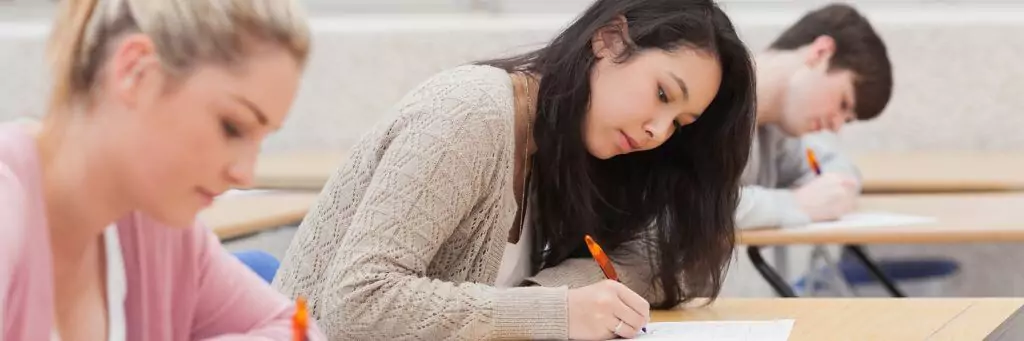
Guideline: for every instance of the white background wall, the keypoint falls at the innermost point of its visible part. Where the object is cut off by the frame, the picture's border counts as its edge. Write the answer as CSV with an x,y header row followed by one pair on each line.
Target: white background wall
x,y
957,66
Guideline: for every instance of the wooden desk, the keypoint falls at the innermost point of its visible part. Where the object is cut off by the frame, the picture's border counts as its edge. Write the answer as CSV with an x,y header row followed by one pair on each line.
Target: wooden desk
x,y
961,218
868,318
941,171
297,171
239,215
883,172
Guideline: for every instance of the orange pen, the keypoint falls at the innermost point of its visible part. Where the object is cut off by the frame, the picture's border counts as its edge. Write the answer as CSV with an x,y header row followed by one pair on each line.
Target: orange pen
x,y
300,321
601,258
813,161
603,262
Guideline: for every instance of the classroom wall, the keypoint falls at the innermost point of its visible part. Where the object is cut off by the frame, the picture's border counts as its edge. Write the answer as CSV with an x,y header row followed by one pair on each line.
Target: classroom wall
x,y
956,71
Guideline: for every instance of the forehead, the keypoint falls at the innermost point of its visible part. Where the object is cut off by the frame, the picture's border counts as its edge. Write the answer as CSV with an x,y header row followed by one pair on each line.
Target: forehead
x,y
268,79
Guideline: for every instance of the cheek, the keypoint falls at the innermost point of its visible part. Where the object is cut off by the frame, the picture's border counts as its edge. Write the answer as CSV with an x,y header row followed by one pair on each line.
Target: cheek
x,y
622,104
816,102
178,149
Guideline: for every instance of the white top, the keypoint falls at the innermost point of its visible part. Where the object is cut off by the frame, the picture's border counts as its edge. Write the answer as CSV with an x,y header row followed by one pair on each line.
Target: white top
x,y
515,262
116,288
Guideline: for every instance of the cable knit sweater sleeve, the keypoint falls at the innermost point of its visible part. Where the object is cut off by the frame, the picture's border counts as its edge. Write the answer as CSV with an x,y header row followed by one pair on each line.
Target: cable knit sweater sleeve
x,y
428,184
632,264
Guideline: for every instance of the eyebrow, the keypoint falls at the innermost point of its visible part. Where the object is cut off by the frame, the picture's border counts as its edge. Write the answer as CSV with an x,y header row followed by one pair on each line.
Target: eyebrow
x,y
260,116
682,85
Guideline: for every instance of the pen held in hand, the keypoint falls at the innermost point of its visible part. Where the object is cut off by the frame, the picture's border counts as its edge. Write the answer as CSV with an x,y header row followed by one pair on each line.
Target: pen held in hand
x,y
813,161
603,262
601,258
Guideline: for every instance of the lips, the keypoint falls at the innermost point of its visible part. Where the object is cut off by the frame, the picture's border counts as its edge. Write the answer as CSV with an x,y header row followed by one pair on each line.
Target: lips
x,y
626,143
815,126
632,143
208,196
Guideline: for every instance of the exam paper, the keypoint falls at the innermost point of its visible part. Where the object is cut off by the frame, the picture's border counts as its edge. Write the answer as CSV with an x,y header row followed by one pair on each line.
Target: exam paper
x,y
244,192
871,219
775,330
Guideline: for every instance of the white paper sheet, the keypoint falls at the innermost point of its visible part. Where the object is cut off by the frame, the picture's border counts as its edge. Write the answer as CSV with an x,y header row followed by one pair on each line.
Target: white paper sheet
x,y
774,330
871,219
244,192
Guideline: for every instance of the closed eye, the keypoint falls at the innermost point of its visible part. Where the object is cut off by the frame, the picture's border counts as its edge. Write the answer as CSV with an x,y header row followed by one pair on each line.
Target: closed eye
x,y
661,95
230,130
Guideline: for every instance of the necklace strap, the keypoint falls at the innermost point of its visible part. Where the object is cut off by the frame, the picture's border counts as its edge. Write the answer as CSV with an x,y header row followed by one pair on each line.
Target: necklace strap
x,y
524,109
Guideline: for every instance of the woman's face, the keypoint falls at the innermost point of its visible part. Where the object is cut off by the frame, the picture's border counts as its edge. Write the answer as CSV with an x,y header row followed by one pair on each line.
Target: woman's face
x,y
181,142
638,104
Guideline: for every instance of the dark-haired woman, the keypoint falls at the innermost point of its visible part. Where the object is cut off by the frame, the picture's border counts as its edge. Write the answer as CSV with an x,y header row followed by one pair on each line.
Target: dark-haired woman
x,y
464,217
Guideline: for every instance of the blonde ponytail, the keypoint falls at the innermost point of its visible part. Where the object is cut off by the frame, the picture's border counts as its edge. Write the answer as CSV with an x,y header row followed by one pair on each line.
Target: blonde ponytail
x,y
64,45
185,32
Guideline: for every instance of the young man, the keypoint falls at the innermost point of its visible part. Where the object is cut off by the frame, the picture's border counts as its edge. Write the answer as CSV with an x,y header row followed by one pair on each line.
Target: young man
x,y
828,69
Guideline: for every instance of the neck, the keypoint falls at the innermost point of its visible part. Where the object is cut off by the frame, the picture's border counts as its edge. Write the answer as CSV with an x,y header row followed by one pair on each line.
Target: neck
x,y
78,188
774,69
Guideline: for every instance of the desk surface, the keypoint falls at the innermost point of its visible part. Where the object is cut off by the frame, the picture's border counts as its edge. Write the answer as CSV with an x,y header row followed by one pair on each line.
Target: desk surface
x,y
242,214
297,171
961,218
883,172
866,318
941,171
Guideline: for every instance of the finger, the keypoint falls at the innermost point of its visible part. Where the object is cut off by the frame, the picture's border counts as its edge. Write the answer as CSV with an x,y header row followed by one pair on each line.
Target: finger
x,y
634,301
631,320
625,330
847,180
850,185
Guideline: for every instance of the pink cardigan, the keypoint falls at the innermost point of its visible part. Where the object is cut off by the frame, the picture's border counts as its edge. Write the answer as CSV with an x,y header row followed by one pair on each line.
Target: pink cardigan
x,y
181,284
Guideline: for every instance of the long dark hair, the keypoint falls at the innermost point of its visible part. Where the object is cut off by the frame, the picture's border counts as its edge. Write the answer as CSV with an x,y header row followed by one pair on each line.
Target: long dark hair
x,y
678,200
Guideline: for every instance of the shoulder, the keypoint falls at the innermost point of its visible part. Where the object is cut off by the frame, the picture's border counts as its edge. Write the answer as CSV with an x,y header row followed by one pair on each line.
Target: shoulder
x,y
471,83
19,190
772,136
472,92
13,219
466,108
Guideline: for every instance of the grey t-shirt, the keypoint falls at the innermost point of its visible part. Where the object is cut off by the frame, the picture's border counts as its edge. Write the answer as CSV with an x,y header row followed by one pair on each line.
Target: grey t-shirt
x,y
776,166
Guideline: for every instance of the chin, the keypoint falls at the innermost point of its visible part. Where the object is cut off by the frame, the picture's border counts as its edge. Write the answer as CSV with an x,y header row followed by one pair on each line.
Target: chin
x,y
600,155
180,218
795,132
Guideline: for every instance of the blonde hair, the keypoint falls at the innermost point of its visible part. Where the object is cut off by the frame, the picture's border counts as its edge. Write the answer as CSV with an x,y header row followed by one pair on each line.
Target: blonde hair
x,y
184,32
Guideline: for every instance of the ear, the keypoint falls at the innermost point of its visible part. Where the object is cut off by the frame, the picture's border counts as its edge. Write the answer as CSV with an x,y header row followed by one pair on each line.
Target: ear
x,y
611,40
134,70
820,51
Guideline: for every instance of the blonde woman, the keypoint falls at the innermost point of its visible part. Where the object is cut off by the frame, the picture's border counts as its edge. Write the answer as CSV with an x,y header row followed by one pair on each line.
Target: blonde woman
x,y
157,107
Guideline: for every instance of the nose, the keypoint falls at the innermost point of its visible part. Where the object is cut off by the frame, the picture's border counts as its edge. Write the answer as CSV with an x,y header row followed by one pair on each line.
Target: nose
x,y
837,121
241,172
658,131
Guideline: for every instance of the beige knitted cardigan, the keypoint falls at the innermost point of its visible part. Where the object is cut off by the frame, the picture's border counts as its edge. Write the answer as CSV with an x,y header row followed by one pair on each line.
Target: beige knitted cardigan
x,y
407,237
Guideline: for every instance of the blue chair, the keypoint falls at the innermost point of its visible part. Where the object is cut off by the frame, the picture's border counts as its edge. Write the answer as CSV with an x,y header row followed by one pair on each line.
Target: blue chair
x,y
899,270
263,264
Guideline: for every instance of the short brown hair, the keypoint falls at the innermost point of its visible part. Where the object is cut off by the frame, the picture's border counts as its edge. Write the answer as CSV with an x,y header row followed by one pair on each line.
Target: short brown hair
x,y
858,48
